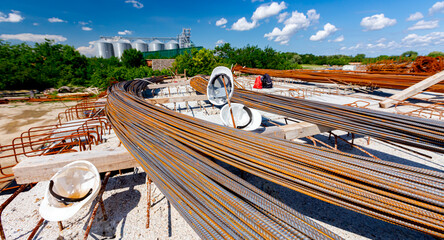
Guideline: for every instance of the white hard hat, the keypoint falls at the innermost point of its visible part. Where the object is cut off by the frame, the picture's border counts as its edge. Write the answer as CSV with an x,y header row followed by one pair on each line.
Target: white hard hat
x,y
245,118
215,88
71,188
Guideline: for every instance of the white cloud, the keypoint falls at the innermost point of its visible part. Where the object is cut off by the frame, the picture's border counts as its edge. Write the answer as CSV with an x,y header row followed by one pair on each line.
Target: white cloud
x,y
329,29
243,25
313,16
29,37
296,22
338,39
434,38
282,17
13,16
220,42
377,22
373,46
135,3
257,1
125,32
415,16
378,45
55,20
438,7
221,22
89,51
35,24
262,12
84,28
268,10
85,23
381,40
424,25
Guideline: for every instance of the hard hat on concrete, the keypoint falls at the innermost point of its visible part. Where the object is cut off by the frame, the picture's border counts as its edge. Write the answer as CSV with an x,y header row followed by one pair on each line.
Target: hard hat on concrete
x,y
215,88
71,188
245,118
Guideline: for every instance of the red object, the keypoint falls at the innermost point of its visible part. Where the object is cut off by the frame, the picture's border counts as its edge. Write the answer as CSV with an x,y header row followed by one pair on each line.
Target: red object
x,y
258,83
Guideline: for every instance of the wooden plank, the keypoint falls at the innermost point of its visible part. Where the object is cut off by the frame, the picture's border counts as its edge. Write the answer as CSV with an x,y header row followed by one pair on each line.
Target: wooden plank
x,y
177,99
295,130
412,90
36,169
164,85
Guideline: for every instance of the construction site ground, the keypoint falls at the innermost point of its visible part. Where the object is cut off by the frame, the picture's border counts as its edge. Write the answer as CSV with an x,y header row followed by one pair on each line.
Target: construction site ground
x,y
125,197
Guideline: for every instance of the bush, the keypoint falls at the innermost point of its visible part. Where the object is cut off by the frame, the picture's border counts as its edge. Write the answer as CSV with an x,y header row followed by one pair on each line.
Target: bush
x,y
45,65
255,57
436,54
201,61
132,58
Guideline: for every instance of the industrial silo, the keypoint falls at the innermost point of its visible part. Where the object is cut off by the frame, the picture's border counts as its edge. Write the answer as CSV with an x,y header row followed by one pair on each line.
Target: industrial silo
x,y
104,49
120,46
172,45
140,45
156,45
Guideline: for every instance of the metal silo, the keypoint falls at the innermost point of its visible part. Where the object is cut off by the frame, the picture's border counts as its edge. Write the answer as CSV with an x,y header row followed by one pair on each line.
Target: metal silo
x,y
156,45
140,45
104,49
121,46
172,45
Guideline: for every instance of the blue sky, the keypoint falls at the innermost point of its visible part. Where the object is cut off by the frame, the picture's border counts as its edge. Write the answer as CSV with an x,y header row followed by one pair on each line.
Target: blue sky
x,y
318,26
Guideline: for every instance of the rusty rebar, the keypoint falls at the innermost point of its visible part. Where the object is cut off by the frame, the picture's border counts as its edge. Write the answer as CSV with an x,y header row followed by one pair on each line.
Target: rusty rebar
x,y
96,206
178,153
36,229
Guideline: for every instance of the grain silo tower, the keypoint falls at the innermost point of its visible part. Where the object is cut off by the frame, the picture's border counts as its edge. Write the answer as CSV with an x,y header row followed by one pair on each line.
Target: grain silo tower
x,y
156,45
140,45
120,46
104,49
172,45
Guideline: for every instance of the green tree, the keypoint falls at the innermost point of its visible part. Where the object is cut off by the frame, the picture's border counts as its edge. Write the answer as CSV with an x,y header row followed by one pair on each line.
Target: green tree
x,y
436,54
255,57
132,58
410,54
201,61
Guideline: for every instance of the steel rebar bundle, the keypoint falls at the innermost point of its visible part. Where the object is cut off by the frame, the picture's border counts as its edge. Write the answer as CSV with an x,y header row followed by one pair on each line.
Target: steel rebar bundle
x,y
417,132
178,153
385,80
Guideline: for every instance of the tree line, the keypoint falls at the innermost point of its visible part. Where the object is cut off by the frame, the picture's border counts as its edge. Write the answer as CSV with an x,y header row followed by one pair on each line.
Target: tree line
x,y
48,65
45,65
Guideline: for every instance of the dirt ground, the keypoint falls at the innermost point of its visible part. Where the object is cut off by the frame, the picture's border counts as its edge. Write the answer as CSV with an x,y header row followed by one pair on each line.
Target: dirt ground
x,y
16,118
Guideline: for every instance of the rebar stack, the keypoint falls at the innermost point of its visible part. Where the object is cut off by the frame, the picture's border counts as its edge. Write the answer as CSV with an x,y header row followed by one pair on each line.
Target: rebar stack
x,y
417,132
367,79
178,153
216,203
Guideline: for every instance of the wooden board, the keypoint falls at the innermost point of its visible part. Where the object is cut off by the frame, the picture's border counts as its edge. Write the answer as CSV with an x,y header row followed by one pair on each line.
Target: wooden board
x,y
177,99
412,90
295,130
36,169
164,85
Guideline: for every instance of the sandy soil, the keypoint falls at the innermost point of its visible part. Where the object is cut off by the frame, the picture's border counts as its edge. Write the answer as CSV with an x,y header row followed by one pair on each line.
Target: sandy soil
x,y
18,117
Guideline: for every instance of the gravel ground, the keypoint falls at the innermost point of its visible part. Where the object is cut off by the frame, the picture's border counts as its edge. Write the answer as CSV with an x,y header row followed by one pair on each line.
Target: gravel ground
x,y
125,201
